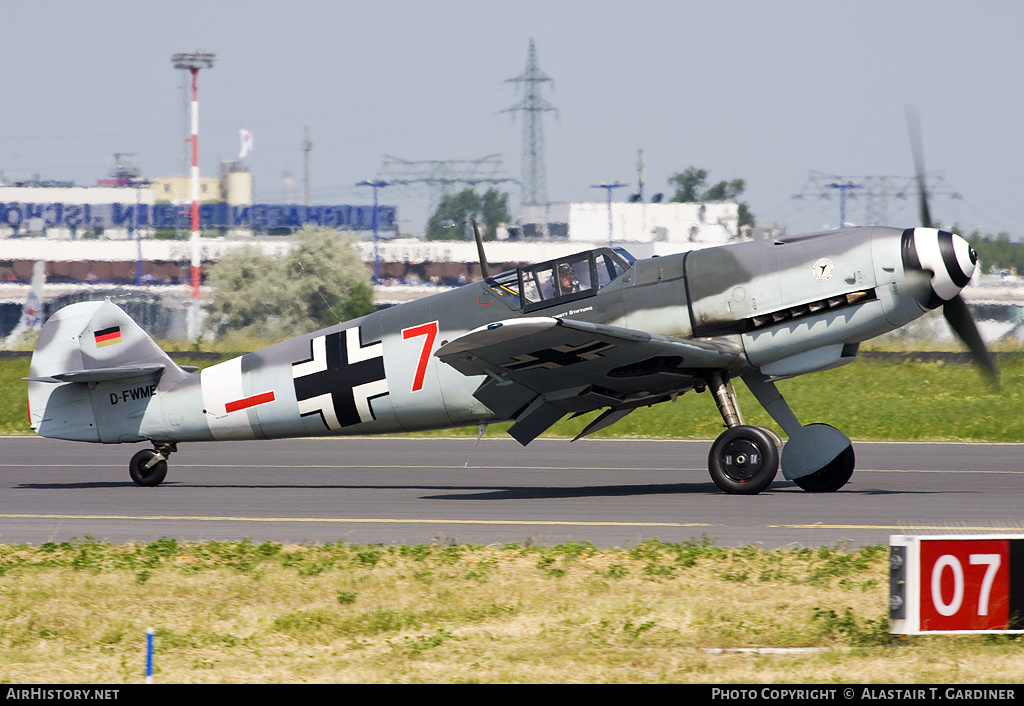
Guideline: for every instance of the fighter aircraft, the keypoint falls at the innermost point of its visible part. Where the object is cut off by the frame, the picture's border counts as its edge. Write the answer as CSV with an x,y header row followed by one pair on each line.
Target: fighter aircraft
x,y
597,330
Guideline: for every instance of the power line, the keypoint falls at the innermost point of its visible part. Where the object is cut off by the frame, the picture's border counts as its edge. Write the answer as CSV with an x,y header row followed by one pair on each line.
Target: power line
x,y
533,106
440,175
874,192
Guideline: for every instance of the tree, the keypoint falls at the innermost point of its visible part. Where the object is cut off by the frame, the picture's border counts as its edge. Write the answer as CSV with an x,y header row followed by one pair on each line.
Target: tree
x,y
691,187
321,281
489,210
996,252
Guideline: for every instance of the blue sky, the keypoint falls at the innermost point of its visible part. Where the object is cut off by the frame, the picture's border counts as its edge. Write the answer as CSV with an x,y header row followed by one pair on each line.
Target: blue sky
x,y
764,91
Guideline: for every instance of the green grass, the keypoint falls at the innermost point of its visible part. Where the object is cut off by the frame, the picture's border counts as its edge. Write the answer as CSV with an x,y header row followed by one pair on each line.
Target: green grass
x,y
13,395
866,399
875,400
77,612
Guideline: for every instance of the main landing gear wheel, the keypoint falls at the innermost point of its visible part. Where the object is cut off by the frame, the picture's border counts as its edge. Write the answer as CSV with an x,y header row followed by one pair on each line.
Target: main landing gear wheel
x,y
743,460
832,477
145,470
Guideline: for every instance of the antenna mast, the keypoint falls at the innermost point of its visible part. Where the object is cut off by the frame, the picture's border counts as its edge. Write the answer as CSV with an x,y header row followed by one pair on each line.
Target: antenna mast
x,y
306,147
192,63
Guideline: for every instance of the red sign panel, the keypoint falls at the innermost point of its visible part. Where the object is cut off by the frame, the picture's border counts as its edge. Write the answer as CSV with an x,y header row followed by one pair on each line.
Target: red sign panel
x,y
965,584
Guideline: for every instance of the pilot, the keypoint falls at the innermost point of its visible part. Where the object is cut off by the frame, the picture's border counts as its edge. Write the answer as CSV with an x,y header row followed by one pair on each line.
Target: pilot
x,y
567,281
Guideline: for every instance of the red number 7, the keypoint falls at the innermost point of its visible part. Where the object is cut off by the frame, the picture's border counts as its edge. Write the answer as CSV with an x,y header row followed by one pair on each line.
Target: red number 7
x,y
430,331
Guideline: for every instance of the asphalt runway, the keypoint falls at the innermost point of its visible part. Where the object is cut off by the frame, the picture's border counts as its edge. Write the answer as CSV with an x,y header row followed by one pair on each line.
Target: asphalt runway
x,y
418,490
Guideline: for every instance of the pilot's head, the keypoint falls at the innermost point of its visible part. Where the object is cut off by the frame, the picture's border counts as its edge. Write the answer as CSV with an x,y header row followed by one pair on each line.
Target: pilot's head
x,y
567,277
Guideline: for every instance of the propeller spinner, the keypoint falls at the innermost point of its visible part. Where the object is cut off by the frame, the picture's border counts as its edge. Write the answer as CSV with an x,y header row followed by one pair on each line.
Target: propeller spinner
x,y
946,257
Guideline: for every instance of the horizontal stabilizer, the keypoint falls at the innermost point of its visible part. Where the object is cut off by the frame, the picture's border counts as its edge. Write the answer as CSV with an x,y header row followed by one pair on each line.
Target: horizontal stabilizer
x,y
126,372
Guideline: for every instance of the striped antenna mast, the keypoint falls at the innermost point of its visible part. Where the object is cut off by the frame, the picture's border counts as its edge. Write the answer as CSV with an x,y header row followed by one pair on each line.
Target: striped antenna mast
x,y
194,62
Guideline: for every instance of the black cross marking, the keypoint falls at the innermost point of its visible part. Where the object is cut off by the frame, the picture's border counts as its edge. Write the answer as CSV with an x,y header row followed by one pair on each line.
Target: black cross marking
x,y
559,356
340,378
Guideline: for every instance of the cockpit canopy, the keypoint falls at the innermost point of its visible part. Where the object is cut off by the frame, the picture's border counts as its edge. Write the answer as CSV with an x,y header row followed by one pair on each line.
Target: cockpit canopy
x,y
561,280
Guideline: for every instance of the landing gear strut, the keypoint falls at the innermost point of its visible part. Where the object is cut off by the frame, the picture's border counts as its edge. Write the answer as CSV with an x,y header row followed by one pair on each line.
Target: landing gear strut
x,y
148,467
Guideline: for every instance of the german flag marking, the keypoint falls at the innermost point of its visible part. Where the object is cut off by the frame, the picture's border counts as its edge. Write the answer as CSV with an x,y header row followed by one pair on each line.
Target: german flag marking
x,y
108,336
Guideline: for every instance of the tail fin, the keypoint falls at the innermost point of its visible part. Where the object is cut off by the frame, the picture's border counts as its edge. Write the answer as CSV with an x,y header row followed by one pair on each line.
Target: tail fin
x,y
80,347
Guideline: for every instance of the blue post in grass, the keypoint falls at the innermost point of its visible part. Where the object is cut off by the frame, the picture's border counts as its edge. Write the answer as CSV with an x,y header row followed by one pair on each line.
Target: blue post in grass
x,y
149,655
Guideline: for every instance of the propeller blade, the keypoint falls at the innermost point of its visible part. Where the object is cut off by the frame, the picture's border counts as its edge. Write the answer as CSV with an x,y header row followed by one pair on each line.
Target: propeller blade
x,y
955,310
962,323
914,128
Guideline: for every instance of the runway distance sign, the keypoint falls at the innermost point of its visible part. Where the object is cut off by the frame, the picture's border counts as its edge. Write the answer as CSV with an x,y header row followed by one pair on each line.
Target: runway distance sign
x,y
956,584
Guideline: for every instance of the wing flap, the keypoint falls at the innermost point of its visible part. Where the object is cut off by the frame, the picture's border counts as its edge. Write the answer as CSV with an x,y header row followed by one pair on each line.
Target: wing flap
x,y
537,418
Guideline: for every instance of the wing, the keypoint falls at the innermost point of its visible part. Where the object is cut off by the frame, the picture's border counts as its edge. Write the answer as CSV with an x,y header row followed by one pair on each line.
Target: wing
x,y
539,369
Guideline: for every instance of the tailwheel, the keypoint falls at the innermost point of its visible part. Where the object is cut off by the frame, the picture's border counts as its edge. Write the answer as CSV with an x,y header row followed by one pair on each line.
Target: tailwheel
x,y
148,468
744,460
832,477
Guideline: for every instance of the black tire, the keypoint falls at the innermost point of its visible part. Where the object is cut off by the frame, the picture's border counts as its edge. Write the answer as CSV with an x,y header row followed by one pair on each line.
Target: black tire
x,y
147,477
743,460
832,477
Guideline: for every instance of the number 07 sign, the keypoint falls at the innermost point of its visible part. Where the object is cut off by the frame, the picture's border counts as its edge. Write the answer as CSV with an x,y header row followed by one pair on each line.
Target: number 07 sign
x,y
956,584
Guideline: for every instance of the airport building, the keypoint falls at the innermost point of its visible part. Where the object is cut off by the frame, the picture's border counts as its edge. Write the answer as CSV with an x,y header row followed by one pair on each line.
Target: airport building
x,y
120,208
685,224
129,235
